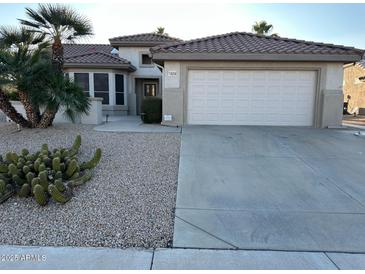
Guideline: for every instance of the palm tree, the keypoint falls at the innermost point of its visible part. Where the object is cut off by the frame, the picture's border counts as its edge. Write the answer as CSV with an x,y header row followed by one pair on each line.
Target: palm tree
x,y
10,111
161,31
58,23
57,91
20,51
262,28
26,64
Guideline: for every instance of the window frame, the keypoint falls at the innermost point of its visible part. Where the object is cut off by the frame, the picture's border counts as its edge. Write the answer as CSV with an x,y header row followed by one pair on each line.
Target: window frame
x,y
88,82
107,92
141,60
120,92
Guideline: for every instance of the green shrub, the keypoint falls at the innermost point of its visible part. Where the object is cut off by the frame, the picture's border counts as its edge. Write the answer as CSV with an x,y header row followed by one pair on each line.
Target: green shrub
x,y
151,110
45,174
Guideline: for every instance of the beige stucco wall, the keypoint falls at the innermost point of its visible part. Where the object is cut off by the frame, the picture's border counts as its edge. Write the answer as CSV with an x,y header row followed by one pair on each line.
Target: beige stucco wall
x,y
328,101
94,117
353,86
133,54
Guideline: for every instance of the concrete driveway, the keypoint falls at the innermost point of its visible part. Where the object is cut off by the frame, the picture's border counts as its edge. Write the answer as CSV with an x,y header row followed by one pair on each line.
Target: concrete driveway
x,y
279,188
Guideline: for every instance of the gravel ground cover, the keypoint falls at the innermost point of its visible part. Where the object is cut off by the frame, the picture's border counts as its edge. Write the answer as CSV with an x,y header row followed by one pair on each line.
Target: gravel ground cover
x,y
129,202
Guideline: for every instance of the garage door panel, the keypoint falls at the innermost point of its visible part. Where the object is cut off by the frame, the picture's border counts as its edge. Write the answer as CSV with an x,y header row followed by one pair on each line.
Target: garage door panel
x,y
198,76
243,76
228,91
213,76
229,75
274,76
255,97
213,103
241,106
259,76
197,90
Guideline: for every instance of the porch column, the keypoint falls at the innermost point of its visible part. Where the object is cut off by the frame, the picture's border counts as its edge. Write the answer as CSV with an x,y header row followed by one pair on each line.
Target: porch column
x,y
71,76
111,88
91,85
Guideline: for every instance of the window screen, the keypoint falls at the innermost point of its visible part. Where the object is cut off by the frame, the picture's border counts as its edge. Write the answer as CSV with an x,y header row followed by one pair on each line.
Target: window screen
x,y
82,79
101,82
119,89
101,86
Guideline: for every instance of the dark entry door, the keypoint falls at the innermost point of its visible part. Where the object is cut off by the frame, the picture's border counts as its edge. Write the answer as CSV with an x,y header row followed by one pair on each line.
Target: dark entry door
x,y
145,88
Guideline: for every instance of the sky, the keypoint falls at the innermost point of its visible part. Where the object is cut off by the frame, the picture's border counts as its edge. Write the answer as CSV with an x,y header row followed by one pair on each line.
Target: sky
x,y
332,23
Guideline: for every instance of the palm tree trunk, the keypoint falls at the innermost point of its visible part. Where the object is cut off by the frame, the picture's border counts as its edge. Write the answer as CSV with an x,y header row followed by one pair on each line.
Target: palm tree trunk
x,y
57,62
32,114
47,118
11,112
57,55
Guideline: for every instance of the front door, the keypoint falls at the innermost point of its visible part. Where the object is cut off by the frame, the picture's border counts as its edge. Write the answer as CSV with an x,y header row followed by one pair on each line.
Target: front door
x,y
145,88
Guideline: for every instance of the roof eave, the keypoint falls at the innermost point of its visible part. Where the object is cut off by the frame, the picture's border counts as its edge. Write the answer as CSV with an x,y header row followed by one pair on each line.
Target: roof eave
x,y
127,67
161,56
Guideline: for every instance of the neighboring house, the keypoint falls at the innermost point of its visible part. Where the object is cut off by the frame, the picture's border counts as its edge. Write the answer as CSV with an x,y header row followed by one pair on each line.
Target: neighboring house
x,y
121,73
246,79
354,86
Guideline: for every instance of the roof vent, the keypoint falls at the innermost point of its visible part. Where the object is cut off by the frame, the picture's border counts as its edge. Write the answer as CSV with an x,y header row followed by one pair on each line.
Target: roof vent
x,y
114,51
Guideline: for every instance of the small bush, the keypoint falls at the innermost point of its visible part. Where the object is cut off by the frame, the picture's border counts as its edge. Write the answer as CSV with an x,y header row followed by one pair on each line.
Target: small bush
x,y
151,110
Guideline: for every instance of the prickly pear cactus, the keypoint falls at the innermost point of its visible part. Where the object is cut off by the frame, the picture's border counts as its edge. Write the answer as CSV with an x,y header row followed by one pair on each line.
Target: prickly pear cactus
x,y
45,174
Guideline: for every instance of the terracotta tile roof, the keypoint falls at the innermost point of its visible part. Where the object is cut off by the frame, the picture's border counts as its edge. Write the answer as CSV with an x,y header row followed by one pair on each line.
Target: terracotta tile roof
x,y
93,54
147,39
244,42
96,58
78,49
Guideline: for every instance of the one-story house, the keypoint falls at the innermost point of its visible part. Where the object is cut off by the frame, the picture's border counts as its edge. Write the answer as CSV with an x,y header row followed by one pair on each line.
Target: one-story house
x,y
242,78
354,86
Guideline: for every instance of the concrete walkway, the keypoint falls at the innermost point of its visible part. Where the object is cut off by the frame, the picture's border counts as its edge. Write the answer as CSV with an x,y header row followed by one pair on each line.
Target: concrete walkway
x,y
20,257
131,123
271,188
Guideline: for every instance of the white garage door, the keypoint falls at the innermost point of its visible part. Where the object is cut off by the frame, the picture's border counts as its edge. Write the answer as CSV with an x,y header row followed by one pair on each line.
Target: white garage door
x,y
251,97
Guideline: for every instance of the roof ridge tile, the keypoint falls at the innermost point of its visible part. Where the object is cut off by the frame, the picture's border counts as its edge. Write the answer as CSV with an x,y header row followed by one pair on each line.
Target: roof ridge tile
x,y
126,37
239,36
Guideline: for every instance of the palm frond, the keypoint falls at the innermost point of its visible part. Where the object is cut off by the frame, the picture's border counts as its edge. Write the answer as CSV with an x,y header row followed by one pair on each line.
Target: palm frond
x,y
20,37
58,20
60,92
262,27
36,16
